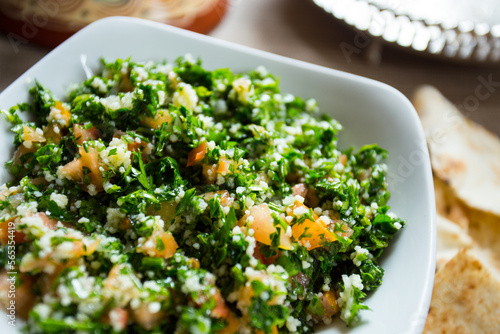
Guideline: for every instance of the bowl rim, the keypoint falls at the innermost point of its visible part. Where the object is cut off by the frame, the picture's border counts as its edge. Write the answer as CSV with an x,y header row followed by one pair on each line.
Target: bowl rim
x,y
98,26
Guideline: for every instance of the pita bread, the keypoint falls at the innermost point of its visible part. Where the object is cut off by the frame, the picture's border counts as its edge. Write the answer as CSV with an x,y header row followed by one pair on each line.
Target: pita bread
x,y
466,296
448,206
484,228
463,154
450,239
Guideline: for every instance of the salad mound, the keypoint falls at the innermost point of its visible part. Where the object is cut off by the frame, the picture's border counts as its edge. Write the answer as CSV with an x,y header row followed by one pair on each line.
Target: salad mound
x,y
167,198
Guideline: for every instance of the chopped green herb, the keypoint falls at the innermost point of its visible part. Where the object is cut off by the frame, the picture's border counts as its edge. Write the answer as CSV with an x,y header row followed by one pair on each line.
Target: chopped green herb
x,y
165,197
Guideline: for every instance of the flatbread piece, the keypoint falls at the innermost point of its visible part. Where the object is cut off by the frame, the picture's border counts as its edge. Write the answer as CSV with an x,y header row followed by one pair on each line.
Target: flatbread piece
x,y
463,154
466,296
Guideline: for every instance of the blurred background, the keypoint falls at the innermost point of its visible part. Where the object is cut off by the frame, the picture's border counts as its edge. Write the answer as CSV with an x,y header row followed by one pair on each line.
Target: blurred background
x,y
355,36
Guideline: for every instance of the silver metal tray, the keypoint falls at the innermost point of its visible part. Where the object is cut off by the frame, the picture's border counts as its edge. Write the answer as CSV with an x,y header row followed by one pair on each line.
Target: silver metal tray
x,y
461,30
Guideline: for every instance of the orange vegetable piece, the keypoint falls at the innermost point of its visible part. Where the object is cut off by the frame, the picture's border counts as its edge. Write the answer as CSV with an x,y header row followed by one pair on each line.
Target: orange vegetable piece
x,y
263,225
136,147
90,159
22,150
120,317
193,263
82,134
245,295
145,318
19,236
223,195
23,298
346,231
30,134
220,311
343,159
317,232
329,302
208,173
197,154
299,189
51,134
223,166
162,116
65,114
233,325
154,248
114,283
5,193
80,250
47,222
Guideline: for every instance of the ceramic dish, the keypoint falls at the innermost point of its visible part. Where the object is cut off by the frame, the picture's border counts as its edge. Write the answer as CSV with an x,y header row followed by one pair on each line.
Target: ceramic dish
x,y
371,112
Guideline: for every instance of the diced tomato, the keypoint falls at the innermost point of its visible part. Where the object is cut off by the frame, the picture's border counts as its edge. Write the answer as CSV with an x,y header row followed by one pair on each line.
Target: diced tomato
x,y
22,150
223,195
193,263
32,135
48,222
82,134
262,222
233,325
145,318
5,193
159,244
80,249
65,114
346,230
311,234
121,283
38,180
343,159
162,116
329,302
51,134
245,295
299,189
24,298
136,146
117,318
89,159
19,236
197,154
223,167
209,173
220,310
73,170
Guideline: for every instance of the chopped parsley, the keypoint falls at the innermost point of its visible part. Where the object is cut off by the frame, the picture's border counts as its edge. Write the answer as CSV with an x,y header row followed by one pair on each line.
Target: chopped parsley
x,y
164,197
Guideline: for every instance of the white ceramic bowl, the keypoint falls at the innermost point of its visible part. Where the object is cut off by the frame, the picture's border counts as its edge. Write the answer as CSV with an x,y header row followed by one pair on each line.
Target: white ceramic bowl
x,y
371,112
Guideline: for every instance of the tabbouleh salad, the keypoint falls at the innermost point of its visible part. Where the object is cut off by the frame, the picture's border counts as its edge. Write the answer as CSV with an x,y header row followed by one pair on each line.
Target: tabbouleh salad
x,y
166,198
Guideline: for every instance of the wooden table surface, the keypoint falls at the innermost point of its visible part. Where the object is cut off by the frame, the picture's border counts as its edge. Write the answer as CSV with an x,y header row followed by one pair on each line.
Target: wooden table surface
x,y
298,29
